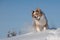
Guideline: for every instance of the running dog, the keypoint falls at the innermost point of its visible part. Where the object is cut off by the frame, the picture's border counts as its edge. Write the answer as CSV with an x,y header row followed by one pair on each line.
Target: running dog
x,y
39,20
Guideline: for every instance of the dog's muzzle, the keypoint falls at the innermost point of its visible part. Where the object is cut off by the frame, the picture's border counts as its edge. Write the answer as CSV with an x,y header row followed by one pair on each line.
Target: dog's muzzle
x,y
37,18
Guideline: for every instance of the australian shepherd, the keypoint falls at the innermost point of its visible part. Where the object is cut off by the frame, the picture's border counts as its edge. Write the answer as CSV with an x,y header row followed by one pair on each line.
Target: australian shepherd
x,y
40,20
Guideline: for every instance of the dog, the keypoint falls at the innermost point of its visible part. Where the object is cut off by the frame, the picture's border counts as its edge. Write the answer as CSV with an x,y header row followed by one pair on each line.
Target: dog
x,y
40,20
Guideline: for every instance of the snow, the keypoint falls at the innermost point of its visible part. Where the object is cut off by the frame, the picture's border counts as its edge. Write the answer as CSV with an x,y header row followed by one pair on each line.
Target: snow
x,y
43,35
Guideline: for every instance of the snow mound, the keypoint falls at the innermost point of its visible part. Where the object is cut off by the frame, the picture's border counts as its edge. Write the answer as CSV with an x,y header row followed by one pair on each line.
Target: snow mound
x,y
43,35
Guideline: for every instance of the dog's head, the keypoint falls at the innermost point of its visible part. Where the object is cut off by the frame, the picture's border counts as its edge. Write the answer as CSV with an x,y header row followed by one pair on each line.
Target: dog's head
x,y
36,14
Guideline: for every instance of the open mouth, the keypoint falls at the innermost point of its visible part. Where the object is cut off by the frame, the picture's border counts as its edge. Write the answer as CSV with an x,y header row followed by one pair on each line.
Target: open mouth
x,y
37,18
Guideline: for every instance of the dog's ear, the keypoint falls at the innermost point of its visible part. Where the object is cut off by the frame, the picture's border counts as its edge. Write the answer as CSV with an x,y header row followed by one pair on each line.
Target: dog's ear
x,y
37,10
32,13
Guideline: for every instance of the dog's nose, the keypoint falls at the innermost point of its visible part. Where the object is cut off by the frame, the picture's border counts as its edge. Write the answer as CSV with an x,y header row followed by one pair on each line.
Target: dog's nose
x,y
36,16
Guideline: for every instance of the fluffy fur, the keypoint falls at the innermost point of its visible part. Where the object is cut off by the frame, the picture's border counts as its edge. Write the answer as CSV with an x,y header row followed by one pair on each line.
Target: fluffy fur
x,y
40,21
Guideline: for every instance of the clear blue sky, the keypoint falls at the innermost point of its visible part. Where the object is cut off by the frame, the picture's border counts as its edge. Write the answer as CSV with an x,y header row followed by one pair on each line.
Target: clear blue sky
x,y
15,13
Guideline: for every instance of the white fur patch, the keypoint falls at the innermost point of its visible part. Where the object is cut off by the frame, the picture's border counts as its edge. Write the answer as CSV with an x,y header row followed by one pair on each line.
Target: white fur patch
x,y
38,30
44,28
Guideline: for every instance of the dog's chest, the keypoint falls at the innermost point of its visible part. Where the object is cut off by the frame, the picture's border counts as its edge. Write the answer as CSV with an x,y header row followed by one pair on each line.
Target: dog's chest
x,y
42,21
37,22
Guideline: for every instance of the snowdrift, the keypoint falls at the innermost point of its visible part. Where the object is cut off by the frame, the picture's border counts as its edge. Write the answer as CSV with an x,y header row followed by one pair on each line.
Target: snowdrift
x,y
43,35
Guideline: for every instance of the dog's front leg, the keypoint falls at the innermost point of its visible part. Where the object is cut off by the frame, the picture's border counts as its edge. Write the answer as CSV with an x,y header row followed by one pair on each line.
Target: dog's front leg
x,y
37,28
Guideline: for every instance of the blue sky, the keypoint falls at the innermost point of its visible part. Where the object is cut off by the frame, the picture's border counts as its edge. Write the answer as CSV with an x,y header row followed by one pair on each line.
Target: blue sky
x,y
14,14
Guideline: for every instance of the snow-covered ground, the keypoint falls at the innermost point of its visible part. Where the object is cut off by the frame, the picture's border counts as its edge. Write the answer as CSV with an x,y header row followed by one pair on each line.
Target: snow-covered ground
x,y
43,35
